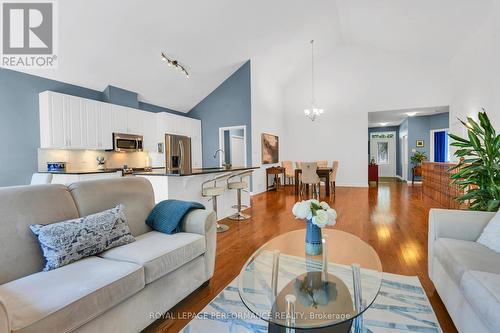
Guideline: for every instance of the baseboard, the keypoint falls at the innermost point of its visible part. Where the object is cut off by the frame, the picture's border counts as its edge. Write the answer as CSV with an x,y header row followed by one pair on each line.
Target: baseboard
x,y
352,184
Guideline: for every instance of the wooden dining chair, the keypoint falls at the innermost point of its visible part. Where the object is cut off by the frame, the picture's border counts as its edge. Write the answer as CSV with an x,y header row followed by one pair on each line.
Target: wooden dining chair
x,y
297,166
333,176
322,164
289,172
310,177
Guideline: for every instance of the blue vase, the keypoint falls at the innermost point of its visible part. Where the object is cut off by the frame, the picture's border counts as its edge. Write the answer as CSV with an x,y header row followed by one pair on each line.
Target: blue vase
x,y
314,246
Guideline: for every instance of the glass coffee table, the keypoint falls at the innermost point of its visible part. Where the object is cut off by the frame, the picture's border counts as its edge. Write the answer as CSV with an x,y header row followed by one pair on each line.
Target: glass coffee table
x,y
295,292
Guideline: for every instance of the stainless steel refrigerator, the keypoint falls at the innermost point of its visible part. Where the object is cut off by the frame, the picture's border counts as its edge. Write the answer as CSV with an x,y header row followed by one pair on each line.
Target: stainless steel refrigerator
x,y
178,153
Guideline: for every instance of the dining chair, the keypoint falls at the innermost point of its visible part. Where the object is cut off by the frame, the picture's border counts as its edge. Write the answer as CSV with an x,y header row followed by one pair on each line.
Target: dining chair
x,y
322,164
333,175
297,166
310,177
289,172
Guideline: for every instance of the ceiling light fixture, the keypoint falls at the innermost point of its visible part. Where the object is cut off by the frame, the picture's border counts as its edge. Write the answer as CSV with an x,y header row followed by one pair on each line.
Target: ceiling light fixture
x,y
172,62
313,112
410,114
383,124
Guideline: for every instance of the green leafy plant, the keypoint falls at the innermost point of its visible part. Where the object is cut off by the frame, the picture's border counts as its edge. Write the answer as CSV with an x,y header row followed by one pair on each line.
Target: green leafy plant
x,y
417,158
478,172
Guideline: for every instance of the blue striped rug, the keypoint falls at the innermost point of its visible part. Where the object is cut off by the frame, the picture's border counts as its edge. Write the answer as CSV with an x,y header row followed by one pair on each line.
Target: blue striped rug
x,y
401,306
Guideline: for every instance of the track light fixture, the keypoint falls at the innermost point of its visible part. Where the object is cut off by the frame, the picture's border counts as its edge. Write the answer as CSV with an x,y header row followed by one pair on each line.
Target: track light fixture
x,y
174,63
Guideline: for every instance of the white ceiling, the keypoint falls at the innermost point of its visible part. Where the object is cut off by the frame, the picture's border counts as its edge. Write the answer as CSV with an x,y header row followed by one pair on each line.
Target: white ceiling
x,y
118,42
396,117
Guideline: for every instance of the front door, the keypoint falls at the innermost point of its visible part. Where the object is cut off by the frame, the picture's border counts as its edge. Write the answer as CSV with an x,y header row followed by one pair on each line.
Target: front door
x,y
383,149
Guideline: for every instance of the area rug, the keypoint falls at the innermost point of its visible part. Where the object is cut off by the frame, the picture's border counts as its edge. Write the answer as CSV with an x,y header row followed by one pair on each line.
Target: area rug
x,y
401,306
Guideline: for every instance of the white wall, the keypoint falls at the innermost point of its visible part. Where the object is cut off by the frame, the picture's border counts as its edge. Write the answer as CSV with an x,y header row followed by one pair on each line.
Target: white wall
x,y
476,75
350,82
267,115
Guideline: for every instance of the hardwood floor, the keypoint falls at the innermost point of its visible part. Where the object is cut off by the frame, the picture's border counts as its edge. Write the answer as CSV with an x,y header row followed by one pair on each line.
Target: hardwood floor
x,y
392,218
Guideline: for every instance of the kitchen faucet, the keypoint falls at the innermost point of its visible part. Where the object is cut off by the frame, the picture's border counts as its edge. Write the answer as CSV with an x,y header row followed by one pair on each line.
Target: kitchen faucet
x,y
224,164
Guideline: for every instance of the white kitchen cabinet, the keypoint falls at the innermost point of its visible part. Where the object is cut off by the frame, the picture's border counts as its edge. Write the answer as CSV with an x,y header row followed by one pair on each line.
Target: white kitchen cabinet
x,y
70,122
171,124
135,121
72,109
67,122
53,121
89,125
119,119
150,138
106,127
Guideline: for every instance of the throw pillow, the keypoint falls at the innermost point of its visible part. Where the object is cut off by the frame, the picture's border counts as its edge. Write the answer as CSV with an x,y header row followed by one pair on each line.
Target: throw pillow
x,y
65,242
490,237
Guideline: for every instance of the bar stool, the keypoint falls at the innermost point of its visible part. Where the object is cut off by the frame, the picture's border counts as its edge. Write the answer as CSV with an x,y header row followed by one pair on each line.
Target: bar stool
x,y
213,192
239,185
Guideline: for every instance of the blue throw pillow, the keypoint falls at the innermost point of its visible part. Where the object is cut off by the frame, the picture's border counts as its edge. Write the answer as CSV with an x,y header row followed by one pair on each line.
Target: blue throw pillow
x,y
167,215
65,242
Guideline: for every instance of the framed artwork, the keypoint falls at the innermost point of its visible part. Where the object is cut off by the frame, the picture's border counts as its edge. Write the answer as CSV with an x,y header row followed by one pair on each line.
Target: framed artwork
x,y
270,148
420,143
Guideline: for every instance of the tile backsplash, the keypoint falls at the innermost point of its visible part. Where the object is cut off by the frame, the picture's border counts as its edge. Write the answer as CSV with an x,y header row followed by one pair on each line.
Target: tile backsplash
x,y
86,159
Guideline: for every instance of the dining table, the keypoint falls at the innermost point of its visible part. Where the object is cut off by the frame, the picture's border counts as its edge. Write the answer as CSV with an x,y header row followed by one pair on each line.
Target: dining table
x,y
323,172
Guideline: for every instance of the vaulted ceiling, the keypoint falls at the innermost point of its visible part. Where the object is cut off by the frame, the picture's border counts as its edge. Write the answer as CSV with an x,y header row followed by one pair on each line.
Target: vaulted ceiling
x,y
118,42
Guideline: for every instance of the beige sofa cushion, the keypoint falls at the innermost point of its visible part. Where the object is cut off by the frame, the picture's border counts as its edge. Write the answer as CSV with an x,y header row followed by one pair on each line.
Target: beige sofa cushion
x,y
159,253
458,256
19,208
135,193
65,298
482,290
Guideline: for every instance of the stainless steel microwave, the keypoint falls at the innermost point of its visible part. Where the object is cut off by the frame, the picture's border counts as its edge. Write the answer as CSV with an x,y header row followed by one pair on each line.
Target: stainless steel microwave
x,y
127,142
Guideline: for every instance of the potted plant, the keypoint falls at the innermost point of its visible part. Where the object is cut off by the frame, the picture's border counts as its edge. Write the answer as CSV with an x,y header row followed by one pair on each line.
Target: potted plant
x,y
478,172
416,159
318,215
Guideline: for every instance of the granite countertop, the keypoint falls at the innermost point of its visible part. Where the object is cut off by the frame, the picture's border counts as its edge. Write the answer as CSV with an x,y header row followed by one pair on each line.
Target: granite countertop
x,y
194,171
93,171
79,172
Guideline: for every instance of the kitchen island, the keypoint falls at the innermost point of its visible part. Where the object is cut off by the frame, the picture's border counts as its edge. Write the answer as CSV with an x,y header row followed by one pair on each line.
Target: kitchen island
x,y
187,186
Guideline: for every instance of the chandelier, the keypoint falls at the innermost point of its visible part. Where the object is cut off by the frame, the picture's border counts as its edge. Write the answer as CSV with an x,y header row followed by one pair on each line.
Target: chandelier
x,y
313,112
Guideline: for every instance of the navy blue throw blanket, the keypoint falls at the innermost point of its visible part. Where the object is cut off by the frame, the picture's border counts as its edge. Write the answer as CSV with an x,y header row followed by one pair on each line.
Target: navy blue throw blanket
x,y
167,215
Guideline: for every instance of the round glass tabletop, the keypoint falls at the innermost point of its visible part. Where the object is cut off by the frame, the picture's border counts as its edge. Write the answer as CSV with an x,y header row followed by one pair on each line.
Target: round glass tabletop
x,y
287,288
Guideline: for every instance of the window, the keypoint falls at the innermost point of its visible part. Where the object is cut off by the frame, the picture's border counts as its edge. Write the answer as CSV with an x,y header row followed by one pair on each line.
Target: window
x,y
382,152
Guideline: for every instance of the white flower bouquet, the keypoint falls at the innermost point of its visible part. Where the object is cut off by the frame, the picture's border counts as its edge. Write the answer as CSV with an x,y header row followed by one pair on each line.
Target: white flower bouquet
x,y
319,213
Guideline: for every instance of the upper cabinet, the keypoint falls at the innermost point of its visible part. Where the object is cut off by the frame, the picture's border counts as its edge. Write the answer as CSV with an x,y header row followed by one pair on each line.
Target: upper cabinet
x,y
70,122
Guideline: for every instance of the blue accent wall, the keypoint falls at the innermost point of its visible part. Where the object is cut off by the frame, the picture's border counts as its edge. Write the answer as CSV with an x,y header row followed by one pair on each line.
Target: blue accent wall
x,y
399,170
119,96
19,120
228,105
155,108
419,129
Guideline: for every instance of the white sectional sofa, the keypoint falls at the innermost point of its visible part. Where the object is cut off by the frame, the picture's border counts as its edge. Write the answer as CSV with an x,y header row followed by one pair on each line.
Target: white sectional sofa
x,y
466,274
120,290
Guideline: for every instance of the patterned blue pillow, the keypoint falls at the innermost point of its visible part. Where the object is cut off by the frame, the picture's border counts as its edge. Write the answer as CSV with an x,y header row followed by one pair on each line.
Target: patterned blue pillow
x,y
65,242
